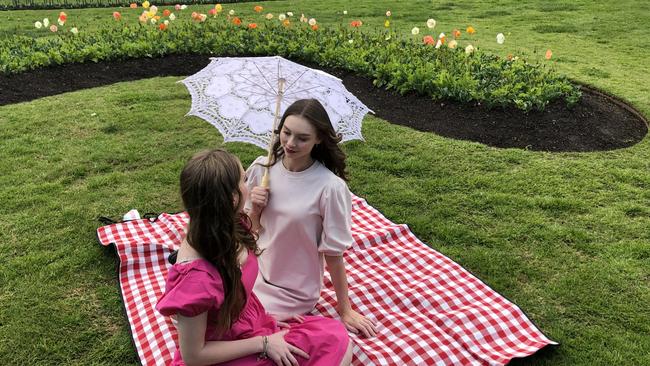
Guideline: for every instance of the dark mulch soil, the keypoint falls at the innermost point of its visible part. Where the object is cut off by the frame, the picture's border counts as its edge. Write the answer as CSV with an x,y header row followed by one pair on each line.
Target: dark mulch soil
x,y
598,122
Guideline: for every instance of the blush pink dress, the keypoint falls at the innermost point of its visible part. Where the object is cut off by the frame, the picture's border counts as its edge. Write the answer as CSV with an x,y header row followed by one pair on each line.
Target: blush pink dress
x,y
196,287
308,216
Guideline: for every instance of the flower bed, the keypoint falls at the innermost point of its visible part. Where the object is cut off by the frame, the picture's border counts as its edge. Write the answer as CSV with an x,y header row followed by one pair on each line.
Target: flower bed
x,y
392,60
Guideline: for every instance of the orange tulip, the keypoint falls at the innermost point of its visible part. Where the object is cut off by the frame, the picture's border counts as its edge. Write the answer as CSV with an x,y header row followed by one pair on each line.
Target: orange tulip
x,y
471,30
258,9
252,25
356,23
548,54
314,27
162,26
286,23
428,40
456,33
117,15
236,21
133,6
166,13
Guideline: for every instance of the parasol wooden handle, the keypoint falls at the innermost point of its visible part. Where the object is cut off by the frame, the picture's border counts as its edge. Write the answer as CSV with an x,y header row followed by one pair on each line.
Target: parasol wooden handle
x,y
266,181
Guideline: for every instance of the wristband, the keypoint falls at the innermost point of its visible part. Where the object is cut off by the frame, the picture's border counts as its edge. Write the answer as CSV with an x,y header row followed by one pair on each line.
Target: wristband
x,y
265,348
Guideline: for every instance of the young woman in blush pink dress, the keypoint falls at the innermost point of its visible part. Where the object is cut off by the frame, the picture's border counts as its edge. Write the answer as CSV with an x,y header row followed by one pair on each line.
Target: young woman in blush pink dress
x,y
209,288
304,218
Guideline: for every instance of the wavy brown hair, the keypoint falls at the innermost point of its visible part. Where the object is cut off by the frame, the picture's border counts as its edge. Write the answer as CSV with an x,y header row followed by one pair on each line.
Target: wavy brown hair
x,y
217,230
327,151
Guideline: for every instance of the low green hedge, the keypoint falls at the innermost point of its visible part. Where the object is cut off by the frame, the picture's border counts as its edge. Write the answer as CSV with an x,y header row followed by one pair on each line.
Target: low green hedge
x,y
396,63
83,4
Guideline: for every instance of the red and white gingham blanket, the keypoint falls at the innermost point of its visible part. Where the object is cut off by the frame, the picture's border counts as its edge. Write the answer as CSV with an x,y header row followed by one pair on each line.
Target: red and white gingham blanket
x,y
429,310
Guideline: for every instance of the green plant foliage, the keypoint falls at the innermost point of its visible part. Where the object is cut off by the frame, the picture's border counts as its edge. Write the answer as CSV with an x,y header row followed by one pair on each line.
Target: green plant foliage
x,y
391,61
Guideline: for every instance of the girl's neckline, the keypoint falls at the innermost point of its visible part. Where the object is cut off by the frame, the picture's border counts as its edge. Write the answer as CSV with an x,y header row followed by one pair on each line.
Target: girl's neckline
x,y
306,171
189,260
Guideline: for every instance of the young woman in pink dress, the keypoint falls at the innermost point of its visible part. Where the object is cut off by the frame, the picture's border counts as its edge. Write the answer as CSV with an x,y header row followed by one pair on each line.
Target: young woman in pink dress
x,y
304,218
209,288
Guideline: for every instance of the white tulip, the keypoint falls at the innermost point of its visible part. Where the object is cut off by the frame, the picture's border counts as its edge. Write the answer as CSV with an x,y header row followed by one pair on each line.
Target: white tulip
x,y
501,38
38,25
469,49
172,16
289,13
431,23
312,21
231,12
282,17
74,30
415,31
46,22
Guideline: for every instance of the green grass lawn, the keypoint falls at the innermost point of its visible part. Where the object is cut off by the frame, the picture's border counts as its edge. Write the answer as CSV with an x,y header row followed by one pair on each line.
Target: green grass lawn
x,y
564,236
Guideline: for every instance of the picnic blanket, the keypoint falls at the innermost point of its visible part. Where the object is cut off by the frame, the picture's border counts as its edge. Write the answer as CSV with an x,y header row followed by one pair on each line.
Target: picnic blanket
x,y
429,310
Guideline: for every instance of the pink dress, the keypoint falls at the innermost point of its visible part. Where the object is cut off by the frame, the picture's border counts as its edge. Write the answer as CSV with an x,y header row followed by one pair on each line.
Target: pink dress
x,y
196,287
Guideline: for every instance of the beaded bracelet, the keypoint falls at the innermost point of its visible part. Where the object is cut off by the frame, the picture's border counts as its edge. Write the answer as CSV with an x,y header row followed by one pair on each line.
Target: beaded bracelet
x,y
265,348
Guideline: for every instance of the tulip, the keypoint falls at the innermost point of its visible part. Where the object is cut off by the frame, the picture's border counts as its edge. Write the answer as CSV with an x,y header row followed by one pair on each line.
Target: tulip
x,y
218,8
469,49
428,40
117,15
314,27
282,17
501,38
452,44
166,12
46,22
290,13
415,31
177,7
231,12
312,21
252,25
386,23
146,4
133,6
74,30
53,28
431,23
388,13
269,16
456,33
345,12
172,16
258,9
470,30
213,12
38,25
548,54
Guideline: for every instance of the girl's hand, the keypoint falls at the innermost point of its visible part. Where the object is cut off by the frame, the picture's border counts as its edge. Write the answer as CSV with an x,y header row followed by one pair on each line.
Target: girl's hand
x,y
357,323
281,352
259,198
283,319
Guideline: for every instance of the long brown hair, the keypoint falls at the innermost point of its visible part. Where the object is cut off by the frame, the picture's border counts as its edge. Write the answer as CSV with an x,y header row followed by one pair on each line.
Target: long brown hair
x,y
327,151
217,230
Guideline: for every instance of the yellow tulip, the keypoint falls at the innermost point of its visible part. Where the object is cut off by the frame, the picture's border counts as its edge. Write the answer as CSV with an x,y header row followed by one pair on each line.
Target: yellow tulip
x,y
146,5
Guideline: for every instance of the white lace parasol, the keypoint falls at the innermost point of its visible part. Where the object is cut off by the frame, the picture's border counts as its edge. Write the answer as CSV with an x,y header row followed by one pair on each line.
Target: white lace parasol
x,y
238,95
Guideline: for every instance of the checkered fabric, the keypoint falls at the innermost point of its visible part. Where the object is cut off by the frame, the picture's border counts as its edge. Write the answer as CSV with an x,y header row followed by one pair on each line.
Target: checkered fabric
x,y
429,310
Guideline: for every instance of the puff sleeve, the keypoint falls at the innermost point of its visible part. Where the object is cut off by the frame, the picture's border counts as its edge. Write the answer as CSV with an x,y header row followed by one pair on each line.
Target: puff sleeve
x,y
336,210
191,294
